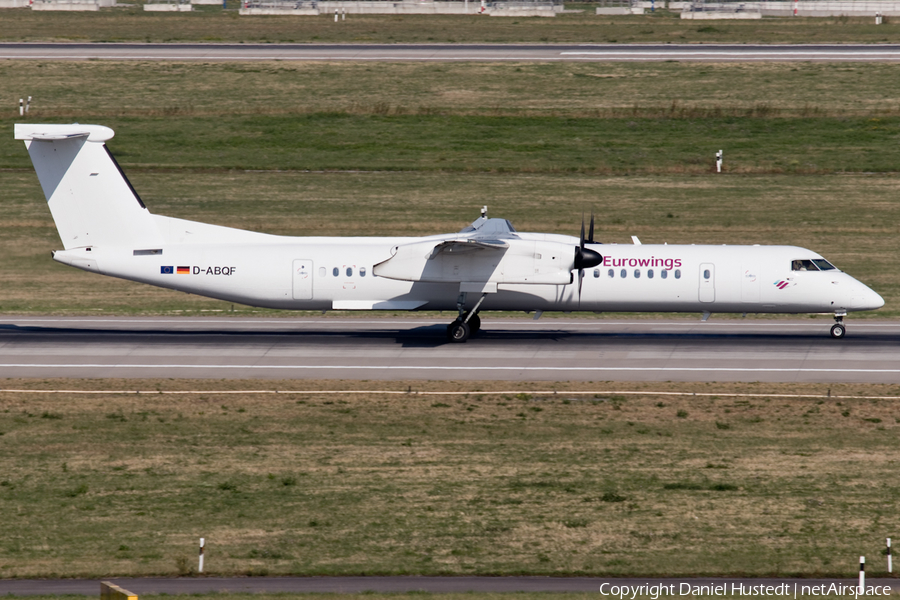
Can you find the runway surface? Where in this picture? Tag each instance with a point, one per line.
(28, 587)
(393, 348)
(456, 52)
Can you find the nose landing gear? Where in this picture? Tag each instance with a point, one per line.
(839, 330)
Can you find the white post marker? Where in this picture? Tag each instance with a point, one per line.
(343, 14)
(27, 105)
(719, 161)
(335, 15)
(200, 567)
(21, 107)
(890, 566)
(878, 18)
(862, 575)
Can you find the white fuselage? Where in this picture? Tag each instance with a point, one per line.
(325, 273)
(106, 228)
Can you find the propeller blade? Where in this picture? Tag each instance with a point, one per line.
(581, 245)
(591, 230)
(580, 281)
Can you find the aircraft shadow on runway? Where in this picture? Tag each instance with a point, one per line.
(431, 336)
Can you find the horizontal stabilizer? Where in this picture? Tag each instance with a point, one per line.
(93, 133)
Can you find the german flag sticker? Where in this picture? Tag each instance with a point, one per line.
(184, 270)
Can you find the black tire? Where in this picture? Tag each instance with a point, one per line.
(838, 331)
(458, 332)
(474, 324)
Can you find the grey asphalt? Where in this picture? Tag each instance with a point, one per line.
(26, 587)
(454, 52)
(392, 348)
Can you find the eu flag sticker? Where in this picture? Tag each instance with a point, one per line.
(166, 270)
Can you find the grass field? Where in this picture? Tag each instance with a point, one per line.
(382, 596)
(410, 595)
(97, 484)
(811, 157)
(212, 24)
(485, 482)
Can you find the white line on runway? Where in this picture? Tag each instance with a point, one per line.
(447, 368)
(498, 323)
(412, 392)
(623, 58)
(778, 54)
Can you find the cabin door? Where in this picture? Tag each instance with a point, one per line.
(303, 279)
(707, 282)
(750, 283)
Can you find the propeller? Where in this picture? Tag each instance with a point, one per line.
(585, 258)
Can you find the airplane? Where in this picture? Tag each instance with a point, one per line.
(487, 266)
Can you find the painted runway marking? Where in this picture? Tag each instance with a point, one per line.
(447, 368)
(495, 324)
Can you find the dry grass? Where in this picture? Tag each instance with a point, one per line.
(212, 24)
(104, 90)
(389, 596)
(458, 136)
(852, 220)
(485, 482)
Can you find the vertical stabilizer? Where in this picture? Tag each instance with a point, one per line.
(92, 202)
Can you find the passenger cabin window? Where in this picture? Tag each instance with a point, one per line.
(677, 273)
(623, 274)
(596, 273)
(803, 265)
(362, 271)
(705, 273)
(637, 273)
(663, 274)
(650, 274)
(349, 271)
(611, 273)
(336, 272)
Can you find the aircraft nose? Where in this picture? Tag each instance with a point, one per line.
(865, 298)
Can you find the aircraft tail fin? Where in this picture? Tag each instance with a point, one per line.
(91, 200)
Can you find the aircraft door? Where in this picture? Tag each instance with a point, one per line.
(303, 279)
(707, 282)
(750, 283)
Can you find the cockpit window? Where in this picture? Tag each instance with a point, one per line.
(823, 264)
(803, 265)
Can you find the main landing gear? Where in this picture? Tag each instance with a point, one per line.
(468, 322)
(839, 330)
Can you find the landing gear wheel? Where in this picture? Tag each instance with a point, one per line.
(474, 324)
(458, 332)
(838, 331)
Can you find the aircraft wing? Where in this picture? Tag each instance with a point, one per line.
(469, 245)
(473, 260)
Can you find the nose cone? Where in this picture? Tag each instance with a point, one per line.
(586, 258)
(864, 298)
